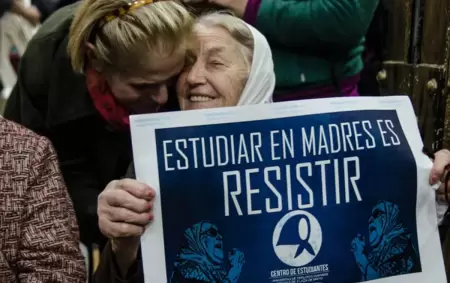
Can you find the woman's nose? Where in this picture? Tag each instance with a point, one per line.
(161, 96)
(196, 75)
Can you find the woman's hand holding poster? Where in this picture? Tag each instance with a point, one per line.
(330, 190)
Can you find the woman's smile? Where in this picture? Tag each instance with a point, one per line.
(200, 98)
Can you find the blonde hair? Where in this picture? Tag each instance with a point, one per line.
(124, 42)
(236, 27)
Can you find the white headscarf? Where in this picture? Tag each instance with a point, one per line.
(261, 81)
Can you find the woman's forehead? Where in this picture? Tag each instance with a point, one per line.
(213, 40)
(155, 70)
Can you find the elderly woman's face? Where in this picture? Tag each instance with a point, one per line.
(376, 223)
(216, 71)
(213, 242)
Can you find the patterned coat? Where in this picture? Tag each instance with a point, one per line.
(38, 229)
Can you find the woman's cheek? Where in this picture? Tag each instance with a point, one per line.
(181, 83)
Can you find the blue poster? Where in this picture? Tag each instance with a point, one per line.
(328, 197)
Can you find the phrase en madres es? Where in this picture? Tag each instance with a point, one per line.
(309, 142)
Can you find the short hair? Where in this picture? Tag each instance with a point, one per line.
(236, 27)
(122, 42)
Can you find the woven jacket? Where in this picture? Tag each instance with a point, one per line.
(38, 229)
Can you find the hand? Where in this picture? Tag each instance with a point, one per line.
(358, 245)
(236, 258)
(32, 15)
(124, 209)
(439, 172)
(237, 6)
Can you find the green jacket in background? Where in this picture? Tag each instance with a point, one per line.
(313, 40)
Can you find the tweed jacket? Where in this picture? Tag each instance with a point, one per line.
(38, 229)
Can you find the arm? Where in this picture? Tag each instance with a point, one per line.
(125, 267)
(31, 14)
(368, 272)
(109, 269)
(17, 7)
(312, 23)
(49, 249)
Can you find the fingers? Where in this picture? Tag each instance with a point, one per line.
(119, 198)
(120, 214)
(441, 162)
(136, 188)
(125, 208)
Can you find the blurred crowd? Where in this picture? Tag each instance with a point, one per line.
(73, 72)
(19, 21)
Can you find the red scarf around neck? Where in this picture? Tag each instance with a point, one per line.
(105, 103)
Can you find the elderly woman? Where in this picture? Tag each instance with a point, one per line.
(229, 64)
(316, 45)
(200, 260)
(392, 251)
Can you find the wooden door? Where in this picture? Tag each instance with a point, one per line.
(416, 63)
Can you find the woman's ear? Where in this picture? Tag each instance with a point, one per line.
(93, 62)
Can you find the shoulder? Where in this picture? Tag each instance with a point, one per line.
(192, 272)
(57, 25)
(16, 139)
(49, 40)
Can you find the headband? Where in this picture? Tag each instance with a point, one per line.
(126, 9)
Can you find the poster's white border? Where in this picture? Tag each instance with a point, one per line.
(143, 137)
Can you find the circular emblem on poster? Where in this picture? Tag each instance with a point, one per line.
(297, 238)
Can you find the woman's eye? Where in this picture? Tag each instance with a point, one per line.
(189, 62)
(216, 63)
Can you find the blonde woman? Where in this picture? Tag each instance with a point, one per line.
(229, 64)
(89, 66)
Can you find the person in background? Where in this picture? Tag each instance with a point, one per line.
(317, 45)
(38, 230)
(31, 14)
(88, 67)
